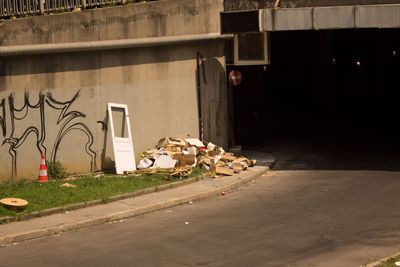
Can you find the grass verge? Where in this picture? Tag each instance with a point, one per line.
(42, 196)
(390, 262)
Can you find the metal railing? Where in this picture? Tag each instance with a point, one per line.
(57, 5)
(10, 8)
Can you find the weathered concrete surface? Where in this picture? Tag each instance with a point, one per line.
(231, 5)
(160, 18)
(157, 83)
(290, 218)
(319, 18)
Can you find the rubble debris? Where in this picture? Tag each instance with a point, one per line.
(177, 157)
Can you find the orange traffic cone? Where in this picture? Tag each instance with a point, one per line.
(43, 171)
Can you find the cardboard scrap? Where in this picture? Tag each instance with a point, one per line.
(207, 161)
(239, 166)
(171, 141)
(221, 164)
(164, 161)
(242, 159)
(228, 157)
(185, 160)
(224, 171)
(149, 153)
(194, 142)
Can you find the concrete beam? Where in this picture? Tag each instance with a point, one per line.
(324, 18)
(107, 44)
(378, 16)
(341, 17)
(293, 19)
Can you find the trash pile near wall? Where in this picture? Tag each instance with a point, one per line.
(178, 156)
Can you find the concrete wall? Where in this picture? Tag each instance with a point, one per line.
(231, 5)
(160, 18)
(56, 102)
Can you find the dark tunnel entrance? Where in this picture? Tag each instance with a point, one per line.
(329, 100)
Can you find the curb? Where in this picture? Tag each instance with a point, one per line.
(29, 235)
(75, 206)
(381, 261)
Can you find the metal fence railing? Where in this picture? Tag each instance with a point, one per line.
(57, 5)
(93, 3)
(10, 8)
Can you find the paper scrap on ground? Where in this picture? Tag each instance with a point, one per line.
(164, 161)
(194, 142)
(145, 163)
(68, 185)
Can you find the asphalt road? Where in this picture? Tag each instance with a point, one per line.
(285, 218)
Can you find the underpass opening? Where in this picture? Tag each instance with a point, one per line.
(329, 100)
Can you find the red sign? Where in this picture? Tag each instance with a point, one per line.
(235, 77)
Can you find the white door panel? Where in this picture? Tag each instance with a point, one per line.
(121, 137)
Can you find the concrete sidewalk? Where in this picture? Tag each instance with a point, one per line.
(114, 211)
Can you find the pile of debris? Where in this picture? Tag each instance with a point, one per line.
(178, 156)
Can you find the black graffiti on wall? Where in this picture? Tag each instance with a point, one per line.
(2, 117)
(67, 122)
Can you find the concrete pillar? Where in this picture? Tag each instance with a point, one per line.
(41, 6)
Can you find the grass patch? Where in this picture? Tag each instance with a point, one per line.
(390, 262)
(56, 170)
(43, 196)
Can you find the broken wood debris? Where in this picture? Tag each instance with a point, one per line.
(177, 157)
(179, 171)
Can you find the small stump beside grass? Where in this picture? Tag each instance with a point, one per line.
(15, 204)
